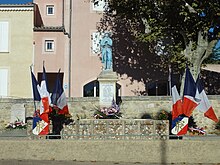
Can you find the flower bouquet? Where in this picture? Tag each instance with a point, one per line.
(112, 112)
(197, 131)
(16, 125)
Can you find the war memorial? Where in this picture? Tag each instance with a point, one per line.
(105, 128)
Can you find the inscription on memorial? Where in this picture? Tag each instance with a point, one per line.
(107, 93)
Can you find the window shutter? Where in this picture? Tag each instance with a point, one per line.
(3, 82)
(4, 33)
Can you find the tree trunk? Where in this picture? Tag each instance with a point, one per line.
(198, 55)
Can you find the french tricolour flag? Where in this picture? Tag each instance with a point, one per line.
(189, 93)
(41, 122)
(36, 94)
(204, 105)
(177, 103)
(45, 95)
(58, 97)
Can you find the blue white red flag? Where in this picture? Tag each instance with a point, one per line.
(180, 126)
(43, 122)
(177, 103)
(189, 93)
(40, 126)
(58, 97)
(44, 77)
(204, 105)
(44, 94)
(36, 94)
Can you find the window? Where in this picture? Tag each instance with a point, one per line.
(96, 39)
(4, 35)
(91, 89)
(49, 45)
(3, 82)
(99, 5)
(50, 9)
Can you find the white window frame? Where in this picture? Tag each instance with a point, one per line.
(49, 48)
(96, 38)
(4, 36)
(48, 7)
(99, 5)
(4, 82)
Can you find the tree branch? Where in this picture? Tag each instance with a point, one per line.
(186, 40)
(209, 50)
(191, 9)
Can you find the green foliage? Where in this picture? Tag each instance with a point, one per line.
(163, 115)
(175, 21)
(63, 118)
(210, 60)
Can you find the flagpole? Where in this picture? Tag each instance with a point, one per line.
(58, 77)
(33, 93)
(169, 79)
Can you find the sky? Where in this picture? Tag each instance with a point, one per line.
(15, 1)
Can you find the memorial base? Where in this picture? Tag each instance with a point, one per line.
(107, 87)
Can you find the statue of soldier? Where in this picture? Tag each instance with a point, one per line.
(106, 44)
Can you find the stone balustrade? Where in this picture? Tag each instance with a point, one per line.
(117, 129)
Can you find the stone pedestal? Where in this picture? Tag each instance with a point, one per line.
(18, 113)
(107, 87)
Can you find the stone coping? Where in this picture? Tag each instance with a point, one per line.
(124, 98)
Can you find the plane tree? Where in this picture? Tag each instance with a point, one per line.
(179, 30)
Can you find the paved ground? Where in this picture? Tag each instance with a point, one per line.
(52, 162)
(31, 162)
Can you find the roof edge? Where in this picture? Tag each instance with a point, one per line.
(49, 28)
(17, 7)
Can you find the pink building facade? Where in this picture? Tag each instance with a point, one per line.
(86, 66)
(69, 30)
(50, 43)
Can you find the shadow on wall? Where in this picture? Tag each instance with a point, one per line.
(163, 153)
(38, 22)
(133, 59)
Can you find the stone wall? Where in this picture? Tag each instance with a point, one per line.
(131, 108)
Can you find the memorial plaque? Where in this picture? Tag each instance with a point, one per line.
(18, 113)
(107, 93)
